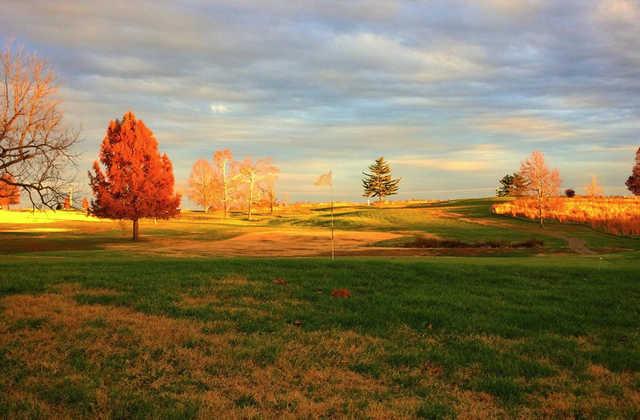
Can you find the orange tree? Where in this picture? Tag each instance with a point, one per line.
(135, 181)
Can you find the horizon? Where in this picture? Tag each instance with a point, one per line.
(453, 94)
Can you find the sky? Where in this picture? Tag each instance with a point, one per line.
(453, 93)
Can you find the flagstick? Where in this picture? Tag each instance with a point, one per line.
(333, 247)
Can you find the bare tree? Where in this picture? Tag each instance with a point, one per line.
(540, 182)
(251, 174)
(594, 189)
(268, 183)
(202, 184)
(224, 161)
(35, 146)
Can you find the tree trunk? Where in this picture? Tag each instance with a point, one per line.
(333, 246)
(224, 188)
(136, 229)
(540, 215)
(250, 198)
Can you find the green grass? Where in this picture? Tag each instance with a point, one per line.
(516, 329)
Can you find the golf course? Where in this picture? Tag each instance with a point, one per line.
(430, 309)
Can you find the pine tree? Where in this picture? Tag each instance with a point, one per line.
(511, 185)
(378, 182)
(633, 182)
(137, 181)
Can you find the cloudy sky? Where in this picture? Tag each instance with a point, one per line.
(454, 93)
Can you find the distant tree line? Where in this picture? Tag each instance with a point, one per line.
(224, 183)
(535, 179)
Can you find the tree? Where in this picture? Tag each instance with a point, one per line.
(248, 174)
(379, 183)
(35, 146)
(268, 183)
(633, 182)
(570, 193)
(67, 203)
(85, 205)
(224, 162)
(593, 188)
(202, 184)
(136, 181)
(9, 193)
(541, 182)
(511, 185)
(251, 174)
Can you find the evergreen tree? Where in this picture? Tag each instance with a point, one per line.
(505, 186)
(633, 182)
(378, 182)
(511, 185)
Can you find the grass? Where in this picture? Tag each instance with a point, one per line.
(447, 335)
(106, 331)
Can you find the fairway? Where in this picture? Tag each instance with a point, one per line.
(471, 325)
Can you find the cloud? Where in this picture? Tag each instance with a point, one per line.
(219, 108)
(618, 20)
(445, 86)
(366, 53)
(444, 164)
(528, 126)
(512, 8)
(625, 11)
(477, 158)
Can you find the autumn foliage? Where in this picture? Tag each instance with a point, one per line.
(9, 194)
(341, 293)
(616, 215)
(539, 182)
(134, 180)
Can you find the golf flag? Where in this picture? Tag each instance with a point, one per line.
(324, 180)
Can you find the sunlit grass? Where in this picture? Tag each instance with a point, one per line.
(43, 216)
(290, 228)
(616, 215)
